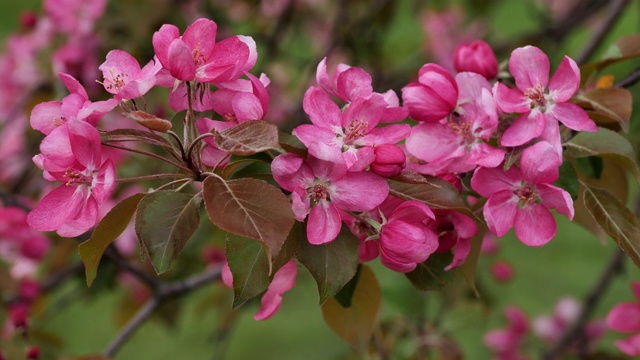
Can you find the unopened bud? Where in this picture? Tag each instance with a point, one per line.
(390, 160)
(502, 271)
(476, 57)
(33, 353)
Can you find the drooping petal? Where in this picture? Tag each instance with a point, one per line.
(86, 218)
(389, 134)
(247, 107)
(500, 212)
(358, 191)
(291, 171)
(526, 127)
(60, 205)
(85, 144)
(534, 225)
(485, 155)
(323, 224)
(529, 67)
(556, 198)
(566, 81)
(358, 159)
(308, 134)
(629, 346)
(47, 116)
(434, 142)
(227, 61)
(460, 253)
(283, 281)
(573, 116)
(326, 161)
(162, 39)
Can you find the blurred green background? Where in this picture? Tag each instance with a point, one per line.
(568, 266)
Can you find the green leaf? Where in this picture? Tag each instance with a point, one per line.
(109, 228)
(355, 324)
(292, 144)
(249, 265)
(608, 107)
(627, 47)
(345, 295)
(590, 166)
(333, 264)
(615, 219)
(164, 223)
(248, 138)
(607, 144)
(430, 275)
(251, 208)
(430, 190)
(568, 179)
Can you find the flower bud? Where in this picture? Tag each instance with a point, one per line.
(476, 57)
(502, 271)
(390, 160)
(433, 97)
(33, 353)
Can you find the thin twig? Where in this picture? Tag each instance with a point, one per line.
(593, 298)
(142, 152)
(613, 14)
(141, 316)
(629, 80)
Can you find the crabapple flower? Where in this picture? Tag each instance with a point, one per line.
(353, 132)
(458, 143)
(454, 230)
(625, 317)
(123, 76)
(476, 57)
(283, 281)
(433, 97)
(566, 312)
(541, 103)
(521, 196)
(321, 186)
(350, 83)
(48, 116)
(74, 17)
(72, 155)
(505, 343)
(389, 160)
(196, 55)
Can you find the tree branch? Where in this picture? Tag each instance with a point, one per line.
(613, 14)
(629, 80)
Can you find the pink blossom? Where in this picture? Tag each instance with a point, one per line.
(74, 17)
(540, 108)
(389, 160)
(350, 83)
(123, 76)
(72, 154)
(521, 196)
(196, 55)
(476, 57)
(433, 96)
(625, 317)
(283, 281)
(321, 186)
(354, 132)
(505, 343)
(454, 230)
(502, 271)
(459, 143)
(566, 312)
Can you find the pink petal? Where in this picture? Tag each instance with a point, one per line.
(326, 161)
(46, 116)
(635, 287)
(300, 204)
(440, 81)
(389, 134)
(308, 134)
(321, 109)
(73, 85)
(181, 64)
(200, 37)
(565, 82)
(253, 54)
(322, 78)
(247, 107)
(354, 83)
(434, 142)
(57, 207)
(556, 198)
(485, 155)
(104, 182)
(404, 245)
(510, 100)
(624, 317)
(370, 110)
(291, 171)
(573, 116)
(227, 276)
(85, 144)
(527, 126)
(460, 253)
(118, 64)
(629, 346)
(161, 41)
(323, 224)
(488, 181)
(358, 191)
(500, 212)
(425, 104)
(56, 149)
(358, 159)
(412, 211)
(227, 61)
(534, 225)
(86, 219)
(259, 90)
(283, 281)
(539, 163)
(529, 67)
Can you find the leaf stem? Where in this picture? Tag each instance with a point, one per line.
(150, 177)
(180, 166)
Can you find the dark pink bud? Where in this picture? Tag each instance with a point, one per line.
(29, 290)
(28, 19)
(35, 247)
(433, 97)
(390, 160)
(452, 179)
(476, 57)
(33, 353)
(502, 271)
(18, 315)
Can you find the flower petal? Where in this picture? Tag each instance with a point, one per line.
(527, 126)
(566, 81)
(534, 225)
(529, 67)
(324, 223)
(574, 117)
